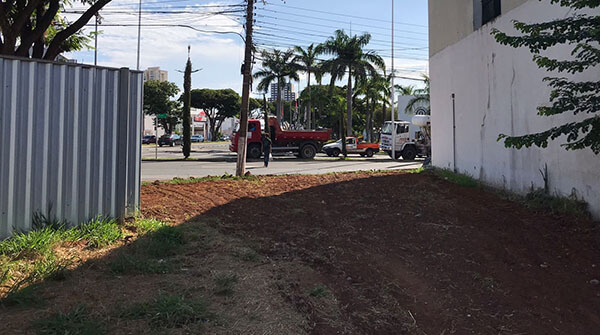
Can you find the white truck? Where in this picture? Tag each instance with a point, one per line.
(413, 139)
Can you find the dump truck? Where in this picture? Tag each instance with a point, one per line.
(303, 143)
(413, 139)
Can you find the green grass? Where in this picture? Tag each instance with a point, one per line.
(224, 284)
(319, 291)
(169, 312)
(151, 252)
(191, 180)
(539, 199)
(24, 297)
(457, 178)
(76, 321)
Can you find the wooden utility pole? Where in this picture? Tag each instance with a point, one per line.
(247, 72)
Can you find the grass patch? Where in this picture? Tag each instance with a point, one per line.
(191, 180)
(319, 291)
(457, 178)
(27, 296)
(246, 254)
(150, 252)
(76, 321)
(539, 199)
(169, 312)
(224, 284)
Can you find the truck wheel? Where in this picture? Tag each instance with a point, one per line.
(335, 152)
(254, 151)
(369, 153)
(308, 151)
(409, 153)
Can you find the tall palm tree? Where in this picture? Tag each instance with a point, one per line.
(421, 95)
(350, 58)
(308, 62)
(277, 66)
(375, 90)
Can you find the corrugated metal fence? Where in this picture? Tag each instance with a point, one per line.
(70, 142)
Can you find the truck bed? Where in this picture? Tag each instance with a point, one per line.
(295, 135)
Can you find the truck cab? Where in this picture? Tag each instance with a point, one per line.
(411, 140)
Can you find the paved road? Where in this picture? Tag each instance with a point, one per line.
(216, 160)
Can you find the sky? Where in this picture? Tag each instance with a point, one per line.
(169, 26)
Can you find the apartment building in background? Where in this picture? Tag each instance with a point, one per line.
(155, 73)
(480, 89)
(288, 92)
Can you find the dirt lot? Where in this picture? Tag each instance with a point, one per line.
(355, 253)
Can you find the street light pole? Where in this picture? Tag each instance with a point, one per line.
(393, 91)
(139, 34)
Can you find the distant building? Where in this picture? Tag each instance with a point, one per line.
(155, 73)
(288, 93)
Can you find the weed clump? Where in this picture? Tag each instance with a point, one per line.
(169, 312)
(76, 321)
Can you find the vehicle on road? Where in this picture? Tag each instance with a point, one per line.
(304, 143)
(413, 139)
(197, 138)
(354, 145)
(170, 140)
(149, 139)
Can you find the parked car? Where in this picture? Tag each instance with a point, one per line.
(197, 138)
(353, 146)
(150, 139)
(224, 138)
(170, 140)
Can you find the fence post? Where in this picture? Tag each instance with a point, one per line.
(122, 146)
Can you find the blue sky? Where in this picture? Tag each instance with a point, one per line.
(279, 24)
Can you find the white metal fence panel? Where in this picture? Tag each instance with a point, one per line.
(70, 142)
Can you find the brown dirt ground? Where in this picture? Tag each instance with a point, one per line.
(392, 253)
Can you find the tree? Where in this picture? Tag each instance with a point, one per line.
(375, 90)
(349, 59)
(187, 117)
(567, 96)
(421, 96)
(158, 100)
(277, 66)
(34, 28)
(218, 106)
(308, 62)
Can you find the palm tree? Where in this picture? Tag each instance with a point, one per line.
(277, 66)
(307, 62)
(375, 90)
(350, 58)
(420, 96)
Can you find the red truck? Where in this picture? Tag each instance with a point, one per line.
(304, 143)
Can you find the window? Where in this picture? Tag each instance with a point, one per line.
(485, 11)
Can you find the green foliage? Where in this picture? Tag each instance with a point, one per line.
(187, 117)
(539, 199)
(76, 321)
(582, 31)
(158, 99)
(350, 57)
(98, 232)
(218, 105)
(23, 297)
(169, 312)
(421, 96)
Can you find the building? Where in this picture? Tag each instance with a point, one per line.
(483, 89)
(155, 73)
(288, 93)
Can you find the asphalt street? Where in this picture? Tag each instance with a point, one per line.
(214, 159)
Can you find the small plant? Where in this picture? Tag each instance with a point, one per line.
(224, 283)
(169, 312)
(99, 232)
(37, 242)
(319, 291)
(17, 296)
(539, 199)
(76, 321)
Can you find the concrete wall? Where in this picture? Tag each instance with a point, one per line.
(70, 142)
(451, 21)
(497, 91)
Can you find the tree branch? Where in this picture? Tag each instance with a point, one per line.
(54, 49)
(43, 21)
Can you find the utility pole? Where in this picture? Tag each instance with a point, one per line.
(393, 91)
(240, 170)
(139, 34)
(96, 41)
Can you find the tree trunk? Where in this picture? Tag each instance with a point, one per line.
(349, 103)
(371, 116)
(279, 104)
(368, 125)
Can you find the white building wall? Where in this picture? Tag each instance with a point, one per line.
(497, 90)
